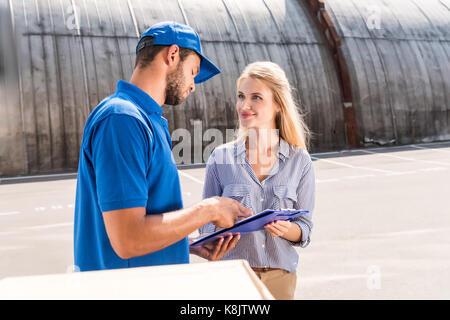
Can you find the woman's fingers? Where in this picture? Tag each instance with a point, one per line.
(272, 230)
(277, 228)
(281, 226)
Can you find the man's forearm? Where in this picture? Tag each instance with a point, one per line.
(132, 233)
(158, 231)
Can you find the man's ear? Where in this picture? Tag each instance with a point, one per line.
(173, 55)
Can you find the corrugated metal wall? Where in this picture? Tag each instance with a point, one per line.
(398, 53)
(12, 152)
(67, 62)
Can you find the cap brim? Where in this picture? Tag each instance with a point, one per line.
(207, 71)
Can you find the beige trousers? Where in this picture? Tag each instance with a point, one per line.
(280, 283)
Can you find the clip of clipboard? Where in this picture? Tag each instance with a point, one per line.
(253, 223)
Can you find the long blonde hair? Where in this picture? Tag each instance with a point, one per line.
(289, 120)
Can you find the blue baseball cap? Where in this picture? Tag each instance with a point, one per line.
(168, 33)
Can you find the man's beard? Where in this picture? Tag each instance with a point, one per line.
(174, 87)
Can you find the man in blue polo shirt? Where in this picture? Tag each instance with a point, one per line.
(128, 209)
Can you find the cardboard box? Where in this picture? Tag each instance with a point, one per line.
(232, 279)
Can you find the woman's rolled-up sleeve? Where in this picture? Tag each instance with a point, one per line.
(211, 188)
(306, 201)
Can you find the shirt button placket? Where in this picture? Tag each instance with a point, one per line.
(263, 246)
(263, 195)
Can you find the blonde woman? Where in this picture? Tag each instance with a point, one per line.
(267, 167)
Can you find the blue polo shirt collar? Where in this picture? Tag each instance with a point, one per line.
(140, 97)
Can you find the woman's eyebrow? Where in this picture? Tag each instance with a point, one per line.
(257, 93)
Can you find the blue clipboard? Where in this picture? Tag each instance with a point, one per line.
(253, 223)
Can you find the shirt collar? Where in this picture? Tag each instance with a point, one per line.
(283, 151)
(239, 148)
(140, 97)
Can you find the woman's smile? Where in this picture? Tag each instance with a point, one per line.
(255, 104)
(247, 115)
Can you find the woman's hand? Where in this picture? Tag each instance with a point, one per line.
(278, 228)
(216, 250)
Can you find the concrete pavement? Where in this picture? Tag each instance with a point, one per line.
(382, 225)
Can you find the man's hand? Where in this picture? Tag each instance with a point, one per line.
(216, 250)
(133, 233)
(225, 211)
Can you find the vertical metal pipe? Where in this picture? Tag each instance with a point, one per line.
(332, 39)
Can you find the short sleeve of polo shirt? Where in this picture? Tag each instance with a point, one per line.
(120, 159)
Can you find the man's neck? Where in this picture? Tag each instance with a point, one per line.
(151, 82)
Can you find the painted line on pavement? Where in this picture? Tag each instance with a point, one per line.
(187, 175)
(9, 213)
(352, 166)
(405, 158)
